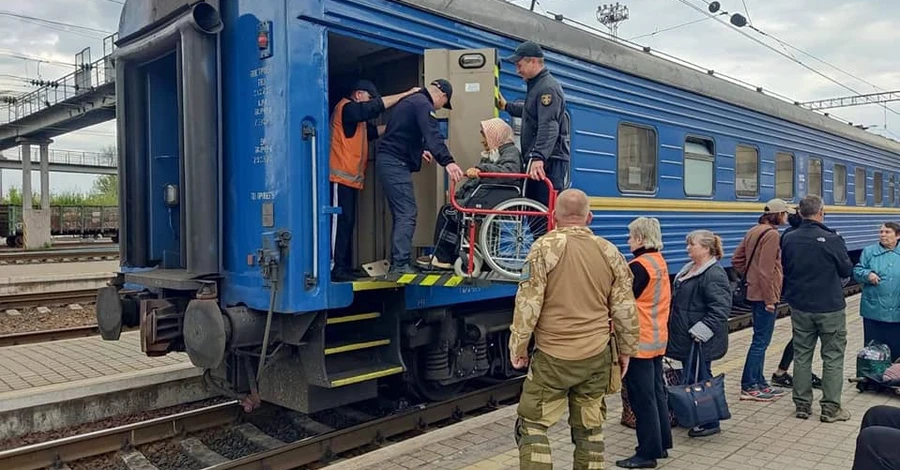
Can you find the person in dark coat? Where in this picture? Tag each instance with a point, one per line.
(781, 377)
(701, 303)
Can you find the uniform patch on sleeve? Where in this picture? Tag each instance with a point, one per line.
(546, 99)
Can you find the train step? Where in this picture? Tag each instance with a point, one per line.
(363, 374)
(347, 346)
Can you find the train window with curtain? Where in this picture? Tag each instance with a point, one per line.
(699, 167)
(879, 188)
(859, 186)
(840, 184)
(814, 176)
(746, 171)
(784, 176)
(637, 160)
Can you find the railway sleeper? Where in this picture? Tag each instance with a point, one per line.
(135, 460)
(198, 451)
(257, 436)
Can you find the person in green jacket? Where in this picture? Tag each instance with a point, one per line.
(500, 155)
(878, 272)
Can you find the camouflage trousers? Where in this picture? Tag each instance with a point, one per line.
(551, 385)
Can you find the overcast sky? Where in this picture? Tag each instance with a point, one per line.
(858, 37)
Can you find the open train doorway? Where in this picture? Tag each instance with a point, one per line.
(391, 71)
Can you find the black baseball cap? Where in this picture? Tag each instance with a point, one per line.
(526, 49)
(366, 85)
(447, 88)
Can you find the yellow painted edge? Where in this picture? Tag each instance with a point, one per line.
(454, 281)
(350, 318)
(406, 278)
(688, 205)
(430, 279)
(356, 346)
(369, 376)
(373, 285)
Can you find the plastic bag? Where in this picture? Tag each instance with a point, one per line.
(873, 360)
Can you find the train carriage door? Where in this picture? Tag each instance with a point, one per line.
(474, 75)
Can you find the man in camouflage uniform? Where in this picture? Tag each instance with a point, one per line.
(573, 283)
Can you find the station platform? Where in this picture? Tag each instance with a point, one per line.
(759, 435)
(45, 386)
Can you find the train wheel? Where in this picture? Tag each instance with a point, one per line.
(11, 242)
(429, 389)
(20, 241)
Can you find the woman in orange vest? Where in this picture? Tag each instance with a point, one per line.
(644, 380)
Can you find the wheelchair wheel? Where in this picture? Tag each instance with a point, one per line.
(461, 265)
(505, 239)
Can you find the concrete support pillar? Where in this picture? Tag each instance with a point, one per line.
(26, 176)
(45, 176)
(36, 222)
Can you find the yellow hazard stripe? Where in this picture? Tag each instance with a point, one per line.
(431, 280)
(497, 88)
(368, 376)
(351, 318)
(356, 346)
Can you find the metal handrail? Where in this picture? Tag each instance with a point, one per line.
(85, 78)
(71, 157)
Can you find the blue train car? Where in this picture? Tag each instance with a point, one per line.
(223, 112)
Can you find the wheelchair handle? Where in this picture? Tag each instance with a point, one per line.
(551, 201)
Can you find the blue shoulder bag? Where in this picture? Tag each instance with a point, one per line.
(700, 402)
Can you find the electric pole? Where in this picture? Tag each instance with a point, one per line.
(611, 15)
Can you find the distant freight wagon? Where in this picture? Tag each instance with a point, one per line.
(64, 220)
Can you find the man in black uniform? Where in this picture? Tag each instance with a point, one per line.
(545, 124)
(411, 136)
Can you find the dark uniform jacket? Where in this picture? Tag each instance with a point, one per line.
(815, 259)
(704, 297)
(412, 128)
(545, 123)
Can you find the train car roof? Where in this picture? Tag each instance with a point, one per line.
(518, 23)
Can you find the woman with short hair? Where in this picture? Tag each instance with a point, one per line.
(878, 272)
(644, 380)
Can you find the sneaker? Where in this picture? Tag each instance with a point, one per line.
(404, 268)
(428, 262)
(840, 415)
(816, 382)
(803, 412)
(756, 394)
(783, 380)
(700, 431)
(775, 392)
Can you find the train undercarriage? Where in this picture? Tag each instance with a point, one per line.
(318, 360)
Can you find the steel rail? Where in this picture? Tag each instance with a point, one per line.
(68, 449)
(32, 298)
(60, 254)
(325, 446)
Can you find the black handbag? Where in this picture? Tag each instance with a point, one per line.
(739, 296)
(701, 402)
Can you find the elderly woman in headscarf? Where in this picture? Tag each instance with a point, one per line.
(500, 155)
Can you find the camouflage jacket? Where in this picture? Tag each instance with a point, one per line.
(567, 299)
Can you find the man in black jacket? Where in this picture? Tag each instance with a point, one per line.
(411, 136)
(545, 125)
(815, 259)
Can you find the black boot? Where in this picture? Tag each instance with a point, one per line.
(636, 461)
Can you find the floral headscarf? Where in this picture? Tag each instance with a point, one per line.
(496, 132)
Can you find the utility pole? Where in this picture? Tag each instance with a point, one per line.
(611, 15)
(532, 4)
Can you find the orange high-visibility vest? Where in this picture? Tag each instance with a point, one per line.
(653, 307)
(349, 156)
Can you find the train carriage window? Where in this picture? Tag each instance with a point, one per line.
(859, 186)
(891, 200)
(637, 161)
(699, 163)
(784, 176)
(746, 171)
(814, 176)
(840, 184)
(879, 189)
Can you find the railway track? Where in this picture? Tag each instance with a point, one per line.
(29, 337)
(47, 298)
(60, 255)
(322, 442)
